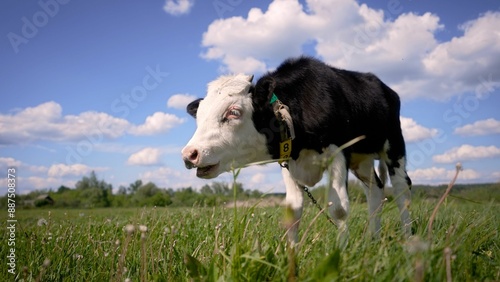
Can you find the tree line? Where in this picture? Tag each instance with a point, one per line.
(90, 192)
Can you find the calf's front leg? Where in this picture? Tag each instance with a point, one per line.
(294, 200)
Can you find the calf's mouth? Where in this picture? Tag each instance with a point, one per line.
(206, 171)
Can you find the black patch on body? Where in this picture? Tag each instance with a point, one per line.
(329, 106)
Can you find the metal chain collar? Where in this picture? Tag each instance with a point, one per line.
(315, 202)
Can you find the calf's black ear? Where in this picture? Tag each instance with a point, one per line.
(192, 108)
(264, 90)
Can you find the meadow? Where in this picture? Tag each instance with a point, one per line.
(248, 244)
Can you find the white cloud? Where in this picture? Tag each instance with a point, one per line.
(46, 122)
(178, 7)
(157, 123)
(167, 177)
(180, 101)
(401, 49)
(482, 127)
(63, 170)
(258, 178)
(146, 156)
(244, 44)
(467, 153)
(463, 59)
(9, 162)
(414, 132)
(437, 175)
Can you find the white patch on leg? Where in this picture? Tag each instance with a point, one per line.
(374, 194)
(337, 195)
(402, 195)
(294, 199)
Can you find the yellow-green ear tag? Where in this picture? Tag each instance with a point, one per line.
(285, 149)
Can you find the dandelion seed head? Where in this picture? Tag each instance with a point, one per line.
(129, 228)
(143, 228)
(459, 167)
(41, 222)
(46, 262)
(117, 242)
(416, 245)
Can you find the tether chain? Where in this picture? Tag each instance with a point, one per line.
(316, 204)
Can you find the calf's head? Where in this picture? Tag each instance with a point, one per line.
(225, 137)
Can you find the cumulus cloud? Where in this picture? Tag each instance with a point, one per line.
(147, 156)
(178, 7)
(402, 49)
(157, 123)
(467, 153)
(180, 101)
(437, 175)
(482, 127)
(414, 132)
(62, 170)
(11, 162)
(258, 178)
(46, 122)
(168, 177)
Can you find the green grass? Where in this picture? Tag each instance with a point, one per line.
(219, 244)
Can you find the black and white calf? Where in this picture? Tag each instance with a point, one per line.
(236, 126)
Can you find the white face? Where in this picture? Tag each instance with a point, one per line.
(225, 137)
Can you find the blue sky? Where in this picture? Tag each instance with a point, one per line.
(102, 85)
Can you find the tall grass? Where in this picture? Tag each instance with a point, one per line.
(247, 244)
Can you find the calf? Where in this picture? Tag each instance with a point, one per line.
(238, 124)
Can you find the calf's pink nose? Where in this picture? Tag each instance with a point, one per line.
(190, 156)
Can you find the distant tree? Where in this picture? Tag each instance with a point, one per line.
(206, 190)
(122, 190)
(220, 188)
(94, 193)
(132, 188)
(160, 199)
(62, 189)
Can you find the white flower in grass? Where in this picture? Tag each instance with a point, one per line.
(41, 222)
(143, 228)
(46, 263)
(129, 228)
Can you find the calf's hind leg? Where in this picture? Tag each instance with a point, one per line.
(401, 184)
(337, 196)
(374, 194)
